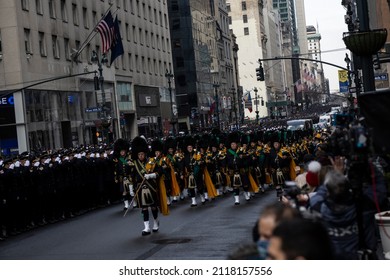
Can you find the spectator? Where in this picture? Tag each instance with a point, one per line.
(269, 218)
(300, 239)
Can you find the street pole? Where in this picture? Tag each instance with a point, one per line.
(257, 107)
(104, 117)
(216, 86)
(169, 76)
(235, 107)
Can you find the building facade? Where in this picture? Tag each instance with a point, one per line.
(203, 63)
(54, 40)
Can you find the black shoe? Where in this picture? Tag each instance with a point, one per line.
(194, 205)
(125, 209)
(145, 233)
(236, 203)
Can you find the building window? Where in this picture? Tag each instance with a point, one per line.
(230, 20)
(140, 36)
(67, 48)
(27, 41)
(131, 64)
(137, 67)
(94, 15)
(246, 31)
(134, 35)
(137, 8)
(64, 12)
(42, 44)
(229, 9)
(245, 18)
(1, 45)
(56, 48)
(75, 15)
(52, 9)
(38, 6)
(85, 18)
(147, 38)
(143, 65)
(243, 5)
(24, 5)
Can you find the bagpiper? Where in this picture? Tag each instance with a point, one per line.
(148, 193)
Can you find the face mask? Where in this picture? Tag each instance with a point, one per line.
(12, 166)
(262, 247)
(17, 164)
(27, 163)
(36, 164)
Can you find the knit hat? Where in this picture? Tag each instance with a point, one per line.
(312, 176)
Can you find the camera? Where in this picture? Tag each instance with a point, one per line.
(350, 138)
(291, 190)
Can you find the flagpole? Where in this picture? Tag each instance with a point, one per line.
(94, 32)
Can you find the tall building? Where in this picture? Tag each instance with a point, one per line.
(48, 40)
(288, 16)
(246, 20)
(203, 62)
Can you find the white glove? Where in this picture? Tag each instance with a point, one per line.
(150, 176)
(131, 188)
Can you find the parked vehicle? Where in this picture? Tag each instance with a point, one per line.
(300, 124)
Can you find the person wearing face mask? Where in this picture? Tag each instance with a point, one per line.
(270, 216)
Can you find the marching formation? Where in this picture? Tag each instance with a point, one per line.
(203, 167)
(45, 187)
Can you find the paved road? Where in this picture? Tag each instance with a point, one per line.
(209, 231)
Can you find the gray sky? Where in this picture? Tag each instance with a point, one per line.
(329, 14)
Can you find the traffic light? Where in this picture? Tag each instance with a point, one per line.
(260, 73)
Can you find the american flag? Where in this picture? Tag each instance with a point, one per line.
(106, 31)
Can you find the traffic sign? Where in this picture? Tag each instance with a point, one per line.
(93, 109)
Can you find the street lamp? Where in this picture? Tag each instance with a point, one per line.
(216, 86)
(169, 76)
(235, 106)
(104, 112)
(257, 106)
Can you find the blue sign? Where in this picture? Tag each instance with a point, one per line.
(93, 109)
(382, 77)
(7, 101)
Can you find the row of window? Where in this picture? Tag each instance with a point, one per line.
(147, 13)
(143, 37)
(140, 63)
(243, 6)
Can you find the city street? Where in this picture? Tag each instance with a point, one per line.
(210, 231)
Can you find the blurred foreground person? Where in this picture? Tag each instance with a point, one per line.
(300, 239)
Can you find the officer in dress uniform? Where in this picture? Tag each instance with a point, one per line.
(148, 194)
(122, 167)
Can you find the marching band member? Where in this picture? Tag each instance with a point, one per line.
(148, 193)
(122, 163)
(193, 165)
(172, 170)
(235, 165)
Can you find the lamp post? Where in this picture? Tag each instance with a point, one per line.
(169, 76)
(235, 106)
(99, 84)
(216, 86)
(257, 106)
